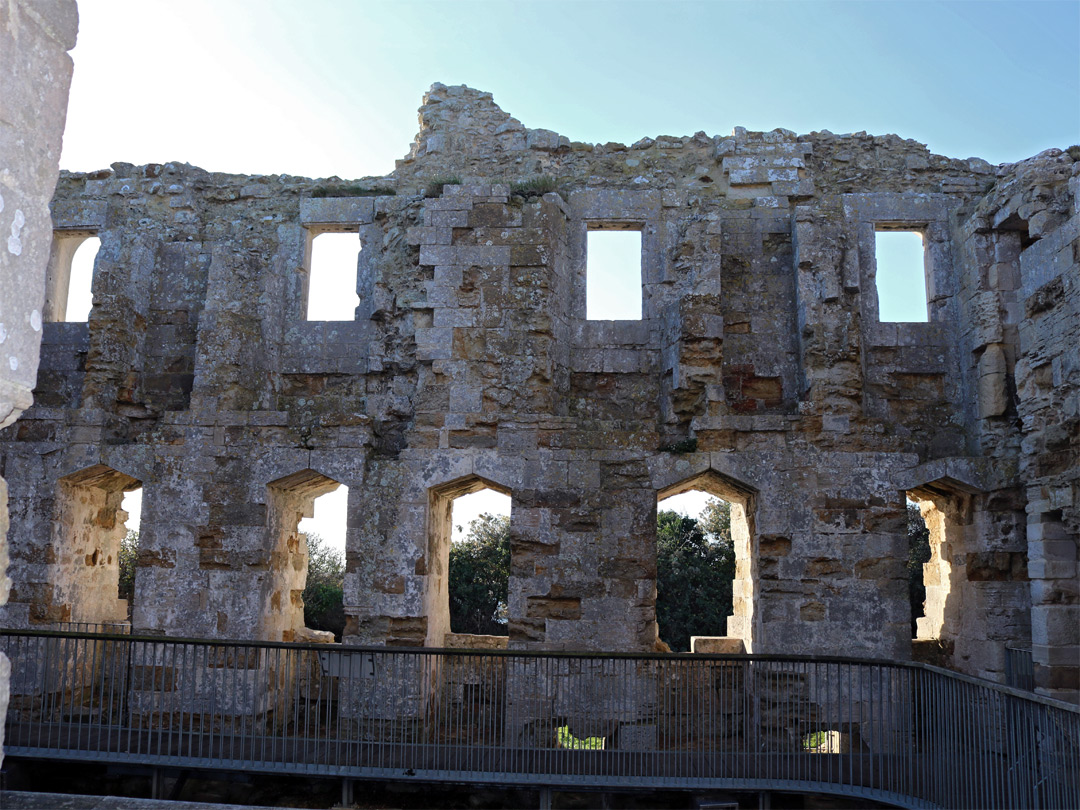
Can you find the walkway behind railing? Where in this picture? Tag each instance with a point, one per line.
(907, 734)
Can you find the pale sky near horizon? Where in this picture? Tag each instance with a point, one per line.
(323, 88)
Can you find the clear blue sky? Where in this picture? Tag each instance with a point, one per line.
(325, 87)
(328, 87)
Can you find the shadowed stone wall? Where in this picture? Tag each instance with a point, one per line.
(35, 74)
(760, 371)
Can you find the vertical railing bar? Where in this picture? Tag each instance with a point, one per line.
(75, 700)
(190, 692)
(56, 699)
(971, 697)
(937, 714)
(942, 710)
(955, 736)
(183, 733)
(104, 730)
(845, 709)
(67, 663)
(132, 700)
(910, 675)
(42, 699)
(154, 668)
(859, 671)
(873, 708)
(97, 685)
(168, 699)
(231, 681)
(1009, 795)
(84, 704)
(975, 742)
(221, 696)
(177, 704)
(987, 743)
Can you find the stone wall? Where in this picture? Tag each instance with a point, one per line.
(35, 74)
(760, 371)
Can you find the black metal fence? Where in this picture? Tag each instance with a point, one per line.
(909, 734)
(1019, 669)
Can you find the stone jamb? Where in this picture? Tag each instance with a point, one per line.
(87, 527)
(926, 214)
(289, 499)
(615, 210)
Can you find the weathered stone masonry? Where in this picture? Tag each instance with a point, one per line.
(471, 362)
(35, 74)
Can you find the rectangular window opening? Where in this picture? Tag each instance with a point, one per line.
(901, 276)
(332, 269)
(613, 274)
(70, 276)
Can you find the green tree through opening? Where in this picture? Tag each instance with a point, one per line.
(479, 578)
(324, 591)
(695, 566)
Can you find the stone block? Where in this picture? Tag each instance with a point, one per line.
(717, 645)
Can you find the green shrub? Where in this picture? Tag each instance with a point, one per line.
(565, 739)
(533, 187)
(353, 191)
(435, 185)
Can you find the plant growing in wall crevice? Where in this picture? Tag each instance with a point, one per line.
(434, 187)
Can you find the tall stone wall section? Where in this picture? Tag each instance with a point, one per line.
(760, 372)
(35, 75)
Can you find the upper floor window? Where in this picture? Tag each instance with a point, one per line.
(613, 272)
(70, 276)
(333, 258)
(901, 276)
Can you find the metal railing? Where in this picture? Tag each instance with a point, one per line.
(904, 733)
(1019, 669)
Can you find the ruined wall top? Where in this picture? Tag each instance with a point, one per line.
(464, 134)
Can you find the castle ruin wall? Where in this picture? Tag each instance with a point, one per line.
(760, 371)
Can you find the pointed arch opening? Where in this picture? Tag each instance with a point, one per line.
(469, 557)
(292, 502)
(91, 544)
(706, 575)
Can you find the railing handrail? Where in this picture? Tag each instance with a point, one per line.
(567, 654)
(902, 732)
